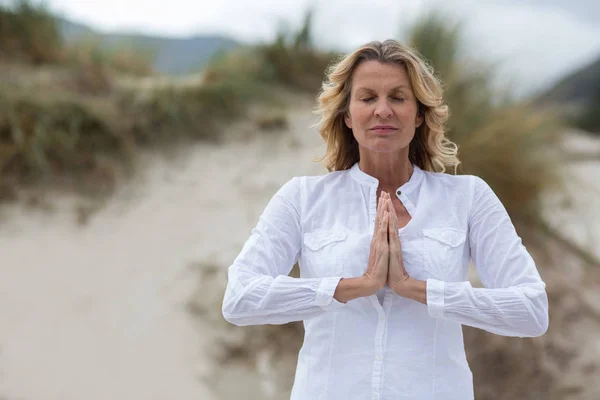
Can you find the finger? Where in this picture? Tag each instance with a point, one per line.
(396, 245)
(386, 198)
(379, 212)
(389, 203)
(384, 220)
(393, 236)
(396, 227)
(383, 205)
(394, 239)
(383, 228)
(391, 207)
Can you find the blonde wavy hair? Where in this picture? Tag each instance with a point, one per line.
(430, 149)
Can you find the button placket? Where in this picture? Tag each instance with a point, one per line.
(379, 344)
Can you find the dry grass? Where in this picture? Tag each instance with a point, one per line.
(589, 118)
(510, 144)
(77, 127)
(290, 61)
(82, 137)
(28, 32)
(58, 139)
(516, 149)
(123, 59)
(245, 345)
(75, 122)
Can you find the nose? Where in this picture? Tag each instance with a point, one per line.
(383, 109)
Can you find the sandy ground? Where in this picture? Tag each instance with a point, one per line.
(98, 311)
(579, 216)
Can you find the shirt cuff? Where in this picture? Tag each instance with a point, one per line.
(325, 293)
(435, 298)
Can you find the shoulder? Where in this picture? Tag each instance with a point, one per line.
(311, 182)
(449, 183)
(464, 190)
(468, 182)
(305, 185)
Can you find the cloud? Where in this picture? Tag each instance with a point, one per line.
(536, 42)
(535, 45)
(587, 11)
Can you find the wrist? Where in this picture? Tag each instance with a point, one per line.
(353, 288)
(411, 289)
(417, 290)
(369, 285)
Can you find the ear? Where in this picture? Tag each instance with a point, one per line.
(419, 120)
(348, 120)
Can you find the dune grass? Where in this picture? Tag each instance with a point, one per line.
(67, 113)
(29, 33)
(510, 144)
(80, 128)
(589, 118)
(291, 61)
(122, 59)
(516, 148)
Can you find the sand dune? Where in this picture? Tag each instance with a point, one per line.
(98, 311)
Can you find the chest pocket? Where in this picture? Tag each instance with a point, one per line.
(325, 253)
(444, 248)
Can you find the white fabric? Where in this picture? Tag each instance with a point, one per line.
(400, 348)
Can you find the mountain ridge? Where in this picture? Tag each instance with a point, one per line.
(170, 55)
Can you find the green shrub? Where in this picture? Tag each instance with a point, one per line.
(29, 32)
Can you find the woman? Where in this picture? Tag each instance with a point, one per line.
(384, 242)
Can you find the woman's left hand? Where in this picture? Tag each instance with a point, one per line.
(398, 278)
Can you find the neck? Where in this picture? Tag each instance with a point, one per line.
(391, 172)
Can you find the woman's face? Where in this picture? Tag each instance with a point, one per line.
(383, 112)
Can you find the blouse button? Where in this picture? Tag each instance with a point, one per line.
(398, 192)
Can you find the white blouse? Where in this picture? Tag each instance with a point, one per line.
(398, 348)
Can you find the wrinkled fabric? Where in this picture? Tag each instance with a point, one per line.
(395, 348)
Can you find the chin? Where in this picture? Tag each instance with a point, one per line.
(387, 147)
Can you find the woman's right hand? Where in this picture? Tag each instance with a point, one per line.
(377, 270)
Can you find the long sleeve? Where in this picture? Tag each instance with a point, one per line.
(513, 301)
(259, 290)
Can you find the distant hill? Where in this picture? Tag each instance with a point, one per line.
(171, 55)
(576, 89)
(577, 97)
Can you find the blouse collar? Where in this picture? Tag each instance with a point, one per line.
(366, 179)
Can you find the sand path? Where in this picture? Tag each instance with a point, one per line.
(98, 311)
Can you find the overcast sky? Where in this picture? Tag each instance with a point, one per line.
(537, 41)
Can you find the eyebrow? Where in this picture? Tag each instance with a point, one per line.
(392, 90)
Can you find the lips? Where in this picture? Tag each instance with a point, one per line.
(383, 129)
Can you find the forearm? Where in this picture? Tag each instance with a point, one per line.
(412, 289)
(353, 288)
(515, 311)
(257, 300)
(417, 290)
